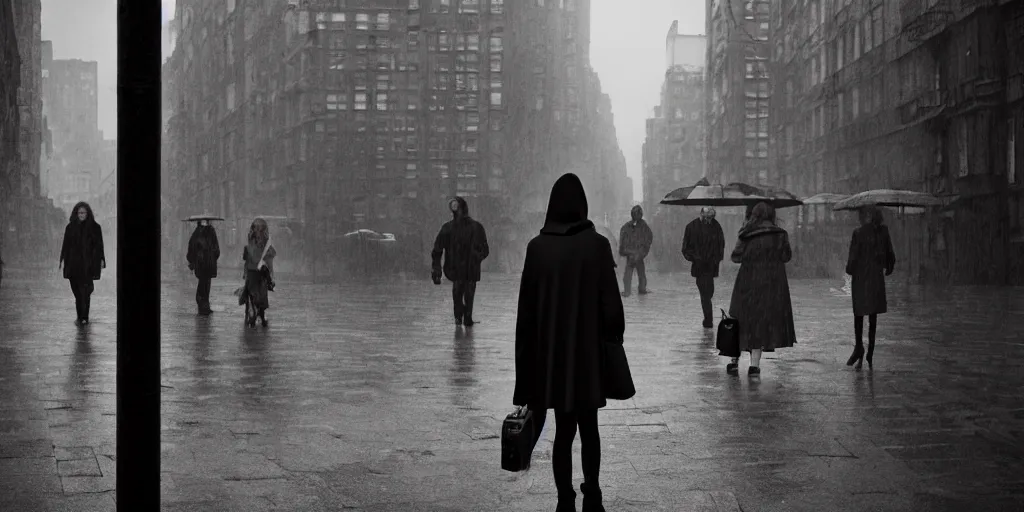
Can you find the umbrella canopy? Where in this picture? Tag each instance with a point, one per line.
(202, 216)
(825, 198)
(684, 192)
(365, 233)
(733, 194)
(886, 197)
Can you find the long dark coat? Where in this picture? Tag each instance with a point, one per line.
(463, 243)
(871, 259)
(704, 246)
(760, 297)
(569, 304)
(203, 252)
(82, 250)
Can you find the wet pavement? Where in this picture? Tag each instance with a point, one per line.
(365, 397)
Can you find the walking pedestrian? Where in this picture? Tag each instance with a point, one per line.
(760, 298)
(704, 247)
(569, 305)
(635, 239)
(463, 243)
(82, 258)
(258, 267)
(203, 253)
(871, 255)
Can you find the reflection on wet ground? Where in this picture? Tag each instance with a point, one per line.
(366, 396)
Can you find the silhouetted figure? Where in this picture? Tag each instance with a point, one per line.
(760, 297)
(871, 255)
(258, 256)
(82, 258)
(704, 247)
(569, 305)
(203, 252)
(635, 239)
(463, 243)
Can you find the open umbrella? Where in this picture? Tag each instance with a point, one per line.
(890, 198)
(733, 194)
(825, 198)
(684, 192)
(364, 234)
(202, 216)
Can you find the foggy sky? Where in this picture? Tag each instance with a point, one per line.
(627, 51)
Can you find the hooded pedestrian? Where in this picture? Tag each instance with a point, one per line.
(82, 257)
(635, 239)
(258, 257)
(704, 247)
(871, 256)
(760, 298)
(569, 305)
(462, 242)
(203, 253)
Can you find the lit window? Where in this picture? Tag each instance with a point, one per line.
(337, 17)
(495, 63)
(382, 101)
(337, 102)
(473, 42)
(497, 6)
(469, 6)
(495, 44)
(496, 100)
(414, 4)
(470, 146)
(360, 101)
(362, 21)
(472, 122)
(383, 21)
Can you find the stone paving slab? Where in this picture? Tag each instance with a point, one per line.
(363, 396)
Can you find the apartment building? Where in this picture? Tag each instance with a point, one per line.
(912, 95)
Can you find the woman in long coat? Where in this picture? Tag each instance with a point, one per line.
(569, 305)
(81, 256)
(871, 255)
(760, 298)
(258, 257)
(203, 252)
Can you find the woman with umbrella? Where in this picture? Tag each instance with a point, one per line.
(203, 253)
(258, 257)
(871, 255)
(81, 257)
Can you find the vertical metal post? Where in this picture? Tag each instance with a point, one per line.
(138, 250)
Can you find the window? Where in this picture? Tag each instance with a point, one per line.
(856, 41)
(231, 6)
(496, 101)
(230, 93)
(495, 63)
(497, 6)
(876, 25)
(496, 124)
(472, 122)
(383, 21)
(414, 4)
(383, 42)
(382, 101)
(866, 32)
(470, 145)
(855, 97)
(337, 102)
(362, 21)
(360, 101)
(473, 42)
(469, 6)
(337, 17)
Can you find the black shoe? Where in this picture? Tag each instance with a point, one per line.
(468, 322)
(79, 322)
(85, 321)
(754, 370)
(709, 324)
(591, 499)
(871, 352)
(857, 356)
(732, 368)
(625, 294)
(566, 503)
(644, 292)
(458, 320)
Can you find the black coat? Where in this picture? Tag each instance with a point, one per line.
(203, 252)
(569, 304)
(760, 297)
(82, 250)
(704, 246)
(871, 259)
(463, 243)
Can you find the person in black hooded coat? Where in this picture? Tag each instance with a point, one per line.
(202, 256)
(463, 243)
(871, 256)
(81, 256)
(569, 304)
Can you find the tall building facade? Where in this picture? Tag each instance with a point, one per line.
(10, 121)
(910, 94)
(738, 92)
(334, 117)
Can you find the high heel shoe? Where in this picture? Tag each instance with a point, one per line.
(871, 352)
(857, 357)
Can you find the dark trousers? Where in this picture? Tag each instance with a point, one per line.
(463, 293)
(561, 456)
(627, 276)
(706, 288)
(858, 330)
(82, 288)
(203, 293)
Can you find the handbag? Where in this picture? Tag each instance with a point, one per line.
(728, 339)
(615, 375)
(518, 437)
(265, 269)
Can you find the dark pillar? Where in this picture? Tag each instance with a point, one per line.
(138, 250)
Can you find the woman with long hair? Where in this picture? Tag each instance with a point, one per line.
(82, 257)
(760, 298)
(871, 256)
(258, 267)
(569, 307)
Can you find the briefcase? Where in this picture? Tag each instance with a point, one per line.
(518, 435)
(728, 339)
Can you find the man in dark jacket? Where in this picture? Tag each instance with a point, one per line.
(203, 252)
(635, 239)
(704, 247)
(463, 243)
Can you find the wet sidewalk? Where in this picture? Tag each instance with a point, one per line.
(366, 397)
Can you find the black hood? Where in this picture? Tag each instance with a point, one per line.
(463, 206)
(567, 207)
